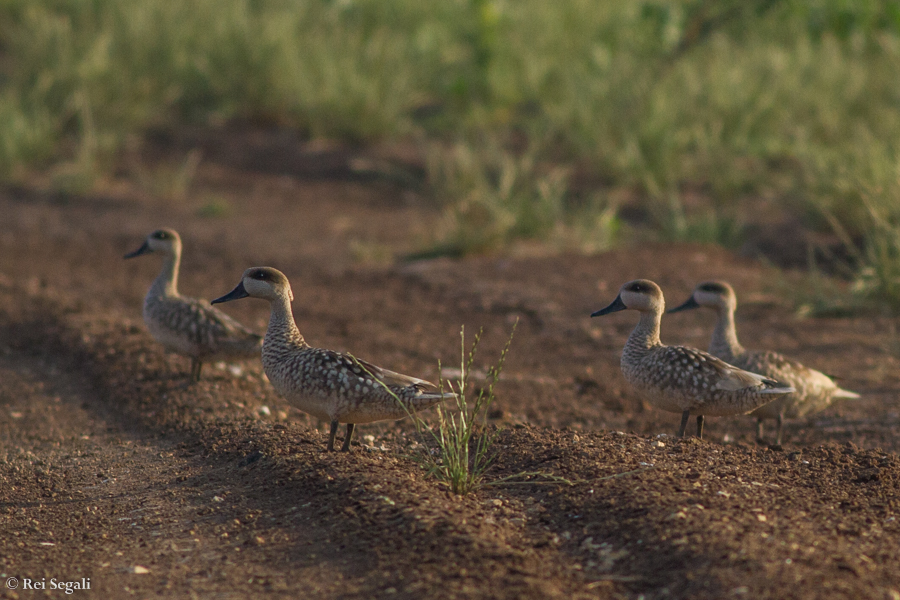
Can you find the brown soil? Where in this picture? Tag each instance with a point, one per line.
(112, 469)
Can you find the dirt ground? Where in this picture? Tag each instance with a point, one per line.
(113, 470)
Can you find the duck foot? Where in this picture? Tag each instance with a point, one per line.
(684, 419)
(334, 428)
(346, 446)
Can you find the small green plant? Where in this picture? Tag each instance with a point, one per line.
(463, 438)
(463, 441)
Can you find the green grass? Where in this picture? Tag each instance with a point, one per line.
(721, 226)
(878, 278)
(689, 108)
(462, 434)
(461, 437)
(493, 197)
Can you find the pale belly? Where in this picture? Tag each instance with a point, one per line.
(665, 401)
(714, 404)
(172, 340)
(328, 406)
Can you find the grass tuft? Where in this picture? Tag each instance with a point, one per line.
(463, 436)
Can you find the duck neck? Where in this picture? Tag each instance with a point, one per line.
(166, 283)
(645, 336)
(281, 323)
(724, 342)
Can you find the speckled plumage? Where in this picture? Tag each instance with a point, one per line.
(185, 325)
(329, 385)
(814, 390)
(678, 378)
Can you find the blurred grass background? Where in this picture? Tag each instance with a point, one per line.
(578, 122)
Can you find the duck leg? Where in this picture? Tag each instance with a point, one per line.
(778, 434)
(700, 427)
(334, 428)
(196, 366)
(684, 420)
(759, 429)
(347, 438)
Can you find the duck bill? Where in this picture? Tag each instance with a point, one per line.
(616, 306)
(688, 305)
(235, 294)
(144, 249)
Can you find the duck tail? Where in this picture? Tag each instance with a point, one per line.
(435, 396)
(776, 387)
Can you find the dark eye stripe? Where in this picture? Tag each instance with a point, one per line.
(712, 288)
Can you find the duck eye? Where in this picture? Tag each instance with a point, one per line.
(259, 275)
(160, 235)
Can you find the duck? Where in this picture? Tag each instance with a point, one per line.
(814, 390)
(681, 379)
(189, 326)
(333, 386)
